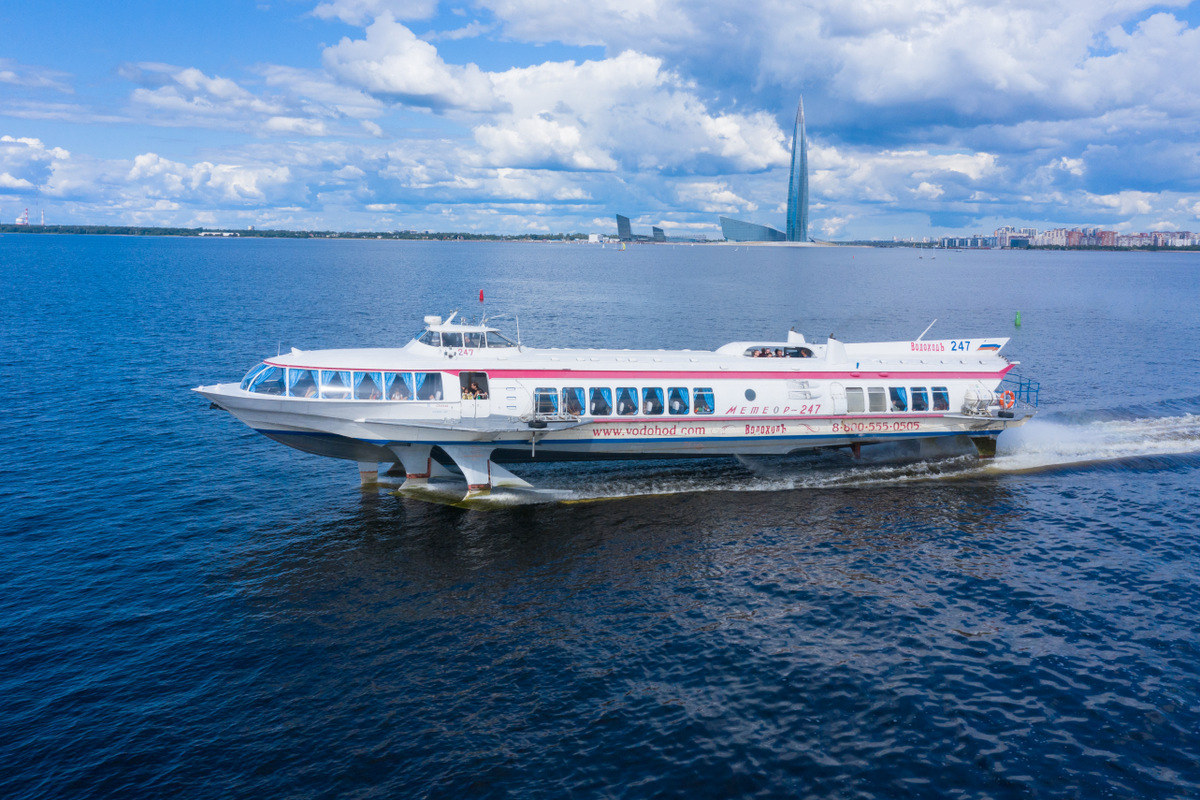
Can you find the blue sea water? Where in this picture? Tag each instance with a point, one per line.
(190, 610)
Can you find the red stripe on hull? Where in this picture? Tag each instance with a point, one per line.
(560, 374)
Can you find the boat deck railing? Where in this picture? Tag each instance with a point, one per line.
(1025, 390)
(541, 419)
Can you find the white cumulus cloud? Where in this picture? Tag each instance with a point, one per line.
(712, 197)
(225, 183)
(393, 62)
(358, 12)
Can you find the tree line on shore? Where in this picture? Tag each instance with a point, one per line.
(135, 230)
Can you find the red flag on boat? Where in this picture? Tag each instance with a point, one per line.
(481, 295)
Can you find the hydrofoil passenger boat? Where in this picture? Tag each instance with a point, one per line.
(465, 394)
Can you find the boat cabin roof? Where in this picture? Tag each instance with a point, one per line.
(435, 323)
(446, 339)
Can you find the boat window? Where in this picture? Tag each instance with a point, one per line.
(301, 383)
(920, 399)
(626, 400)
(652, 401)
(431, 338)
(767, 351)
(941, 398)
(368, 385)
(428, 385)
(677, 400)
(855, 403)
(545, 401)
(398, 385)
(572, 400)
(474, 385)
(334, 384)
(601, 402)
(473, 339)
(877, 399)
(702, 400)
(268, 381)
(497, 340)
(257, 368)
(899, 398)
(451, 339)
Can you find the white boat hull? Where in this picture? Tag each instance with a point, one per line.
(341, 430)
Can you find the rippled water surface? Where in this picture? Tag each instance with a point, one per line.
(190, 610)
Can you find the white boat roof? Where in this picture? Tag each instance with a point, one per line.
(914, 354)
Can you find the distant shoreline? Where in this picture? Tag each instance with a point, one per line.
(580, 238)
(227, 233)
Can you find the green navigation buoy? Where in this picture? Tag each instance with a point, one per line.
(1017, 322)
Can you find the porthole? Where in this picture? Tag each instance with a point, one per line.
(750, 395)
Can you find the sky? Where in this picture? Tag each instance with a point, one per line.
(925, 117)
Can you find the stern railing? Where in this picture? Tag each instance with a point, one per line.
(1025, 390)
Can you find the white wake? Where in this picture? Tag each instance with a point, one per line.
(1042, 443)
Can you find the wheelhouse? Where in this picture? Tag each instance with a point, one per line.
(461, 335)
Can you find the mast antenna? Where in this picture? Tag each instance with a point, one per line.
(927, 329)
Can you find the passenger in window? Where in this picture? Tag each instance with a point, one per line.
(572, 397)
(367, 388)
(778, 353)
(545, 401)
(601, 407)
(652, 401)
(626, 402)
(677, 402)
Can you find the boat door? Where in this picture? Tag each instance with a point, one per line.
(837, 396)
(476, 400)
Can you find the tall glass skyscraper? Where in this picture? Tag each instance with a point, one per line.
(797, 207)
(735, 230)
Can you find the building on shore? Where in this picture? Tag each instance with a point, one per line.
(624, 230)
(736, 230)
(1010, 237)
